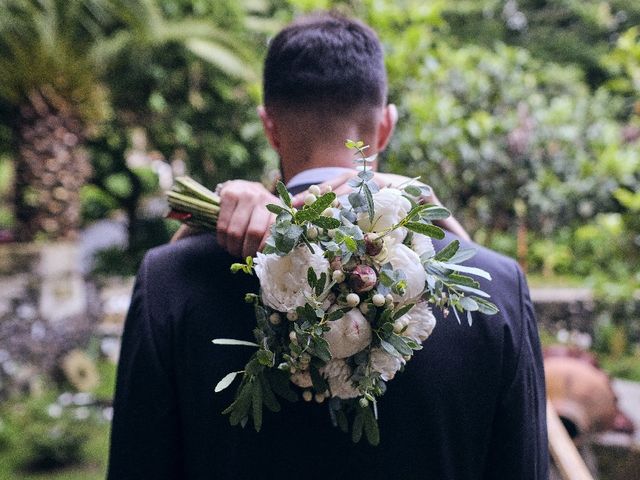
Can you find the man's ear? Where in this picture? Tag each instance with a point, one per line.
(270, 129)
(386, 126)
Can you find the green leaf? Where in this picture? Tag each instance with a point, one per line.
(327, 223)
(370, 205)
(314, 210)
(425, 229)
(462, 255)
(447, 252)
(435, 213)
(486, 307)
(472, 270)
(351, 244)
(265, 357)
(389, 348)
(277, 209)
(231, 341)
(457, 279)
(343, 423)
(371, 427)
(469, 304)
(399, 344)
(312, 278)
(322, 281)
(413, 190)
(256, 402)
(270, 400)
(402, 310)
(284, 194)
(319, 382)
(226, 381)
(356, 431)
(281, 385)
(335, 315)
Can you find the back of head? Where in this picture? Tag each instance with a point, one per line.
(325, 64)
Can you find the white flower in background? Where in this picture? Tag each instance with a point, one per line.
(302, 379)
(384, 363)
(338, 375)
(403, 258)
(348, 335)
(390, 207)
(280, 277)
(422, 245)
(419, 322)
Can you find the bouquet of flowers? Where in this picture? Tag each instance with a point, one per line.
(347, 288)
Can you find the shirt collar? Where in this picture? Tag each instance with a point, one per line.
(316, 175)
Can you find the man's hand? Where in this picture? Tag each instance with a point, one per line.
(244, 221)
(340, 187)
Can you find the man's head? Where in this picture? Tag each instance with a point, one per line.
(324, 79)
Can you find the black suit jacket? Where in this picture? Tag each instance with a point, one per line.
(470, 405)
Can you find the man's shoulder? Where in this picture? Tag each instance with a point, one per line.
(501, 267)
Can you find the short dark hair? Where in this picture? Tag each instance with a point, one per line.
(325, 60)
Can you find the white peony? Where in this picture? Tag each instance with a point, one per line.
(338, 375)
(422, 245)
(385, 364)
(283, 279)
(403, 258)
(390, 207)
(348, 335)
(419, 322)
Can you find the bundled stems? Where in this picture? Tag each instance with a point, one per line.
(193, 204)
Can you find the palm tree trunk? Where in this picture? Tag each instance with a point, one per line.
(51, 166)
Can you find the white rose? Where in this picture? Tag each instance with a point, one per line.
(390, 207)
(419, 322)
(283, 279)
(385, 364)
(422, 245)
(403, 258)
(338, 375)
(348, 335)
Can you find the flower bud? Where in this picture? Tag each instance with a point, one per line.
(362, 279)
(312, 233)
(307, 395)
(309, 198)
(314, 190)
(319, 397)
(353, 299)
(364, 403)
(338, 276)
(292, 315)
(275, 319)
(327, 212)
(373, 244)
(378, 300)
(331, 233)
(293, 337)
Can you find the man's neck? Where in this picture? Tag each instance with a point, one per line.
(292, 165)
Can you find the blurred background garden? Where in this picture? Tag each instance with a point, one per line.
(524, 115)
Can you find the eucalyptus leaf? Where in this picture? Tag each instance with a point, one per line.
(231, 341)
(226, 381)
(425, 229)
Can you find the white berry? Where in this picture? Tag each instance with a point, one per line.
(307, 395)
(338, 276)
(293, 337)
(292, 316)
(312, 233)
(315, 190)
(309, 198)
(319, 397)
(378, 300)
(353, 299)
(275, 319)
